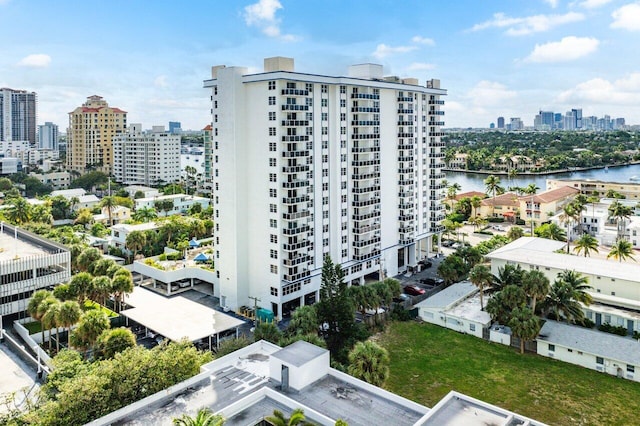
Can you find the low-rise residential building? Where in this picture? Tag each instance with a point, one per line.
(78, 197)
(459, 161)
(120, 232)
(119, 214)
(506, 206)
(604, 352)
(266, 377)
(456, 307)
(57, 180)
(519, 163)
(28, 263)
(631, 190)
(545, 204)
(178, 203)
(147, 191)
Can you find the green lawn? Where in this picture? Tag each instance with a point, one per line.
(428, 361)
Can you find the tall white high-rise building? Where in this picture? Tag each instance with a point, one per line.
(18, 115)
(48, 136)
(306, 166)
(146, 158)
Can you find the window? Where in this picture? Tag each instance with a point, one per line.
(472, 327)
(631, 369)
(325, 201)
(325, 116)
(273, 193)
(599, 360)
(272, 86)
(552, 348)
(273, 208)
(343, 89)
(273, 238)
(325, 227)
(272, 147)
(273, 254)
(272, 177)
(272, 131)
(325, 242)
(272, 116)
(274, 291)
(344, 212)
(273, 223)
(272, 162)
(325, 186)
(345, 253)
(323, 88)
(274, 269)
(344, 239)
(272, 100)
(325, 214)
(324, 102)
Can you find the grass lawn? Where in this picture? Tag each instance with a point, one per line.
(428, 361)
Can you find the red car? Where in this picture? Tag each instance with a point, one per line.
(413, 290)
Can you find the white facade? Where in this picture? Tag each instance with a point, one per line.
(308, 165)
(57, 180)
(28, 263)
(181, 203)
(48, 136)
(146, 158)
(9, 165)
(120, 232)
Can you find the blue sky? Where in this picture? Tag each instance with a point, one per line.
(496, 58)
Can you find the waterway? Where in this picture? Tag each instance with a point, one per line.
(475, 182)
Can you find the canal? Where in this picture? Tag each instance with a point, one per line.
(475, 182)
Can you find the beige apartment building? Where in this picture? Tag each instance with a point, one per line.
(631, 190)
(92, 127)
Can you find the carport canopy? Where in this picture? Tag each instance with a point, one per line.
(177, 318)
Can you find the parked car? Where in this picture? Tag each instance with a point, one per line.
(413, 290)
(432, 281)
(374, 311)
(401, 298)
(425, 263)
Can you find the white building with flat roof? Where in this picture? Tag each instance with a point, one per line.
(146, 158)
(345, 166)
(120, 232)
(180, 203)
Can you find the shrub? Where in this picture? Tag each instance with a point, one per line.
(495, 219)
(608, 328)
(162, 257)
(586, 323)
(398, 313)
(456, 217)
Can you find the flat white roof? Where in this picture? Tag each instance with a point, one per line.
(542, 254)
(469, 309)
(170, 197)
(599, 343)
(177, 317)
(450, 295)
(139, 227)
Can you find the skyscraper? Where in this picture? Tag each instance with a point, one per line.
(89, 137)
(306, 166)
(175, 127)
(48, 136)
(18, 115)
(500, 122)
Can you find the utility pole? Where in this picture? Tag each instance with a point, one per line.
(255, 306)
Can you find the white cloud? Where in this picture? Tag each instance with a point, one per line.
(382, 50)
(593, 4)
(624, 91)
(567, 49)
(263, 15)
(35, 61)
(423, 40)
(490, 93)
(528, 24)
(161, 81)
(552, 3)
(627, 17)
(420, 66)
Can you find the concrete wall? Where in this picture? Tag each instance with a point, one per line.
(301, 376)
(460, 325)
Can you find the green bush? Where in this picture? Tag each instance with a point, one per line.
(398, 313)
(608, 328)
(495, 219)
(456, 217)
(484, 232)
(162, 257)
(174, 256)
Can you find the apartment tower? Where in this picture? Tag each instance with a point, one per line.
(17, 116)
(146, 158)
(92, 127)
(307, 166)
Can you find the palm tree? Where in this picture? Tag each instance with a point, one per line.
(136, 240)
(51, 319)
(586, 244)
(121, 284)
(482, 278)
(369, 362)
(507, 275)
(69, 315)
(47, 315)
(100, 289)
(492, 185)
(551, 231)
(21, 211)
(621, 250)
(90, 327)
(567, 217)
(109, 202)
(567, 293)
(579, 285)
(73, 202)
(620, 213)
(204, 417)
(88, 258)
(476, 202)
(524, 325)
(32, 308)
(80, 286)
(536, 285)
(452, 191)
(278, 418)
(515, 232)
(145, 214)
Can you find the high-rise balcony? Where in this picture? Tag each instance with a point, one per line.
(295, 92)
(294, 154)
(364, 243)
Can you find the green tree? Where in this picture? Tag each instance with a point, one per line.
(492, 185)
(87, 259)
(84, 217)
(621, 250)
(80, 286)
(69, 315)
(204, 417)
(268, 331)
(476, 203)
(109, 202)
(32, 307)
(586, 244)
(620, 213)
(482, 278)
(278, 418)
(112, 341)
(567, 293)
(370, 362)
(136, 240)
(99, 230)
(5, 184)
(41, 213)
(121, 284)
(524, 325)
(304, 320)
(48, 311)
(551, 231)
(536, 286)
(100, 289)
(20, 213)
(91, 325)
(515, 232)
(145, 214)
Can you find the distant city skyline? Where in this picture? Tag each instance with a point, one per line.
(496, 58)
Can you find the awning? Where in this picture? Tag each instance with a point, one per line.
(201, 258)
(508, 214)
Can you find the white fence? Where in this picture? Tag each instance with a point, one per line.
(31, 343)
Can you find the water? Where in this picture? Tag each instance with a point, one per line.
(475, 182)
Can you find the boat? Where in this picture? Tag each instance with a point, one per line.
(634, 178)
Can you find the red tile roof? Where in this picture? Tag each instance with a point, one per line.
(509, 199)
(471, 194)
(552, 195)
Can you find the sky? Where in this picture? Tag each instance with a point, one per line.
(507, 58)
